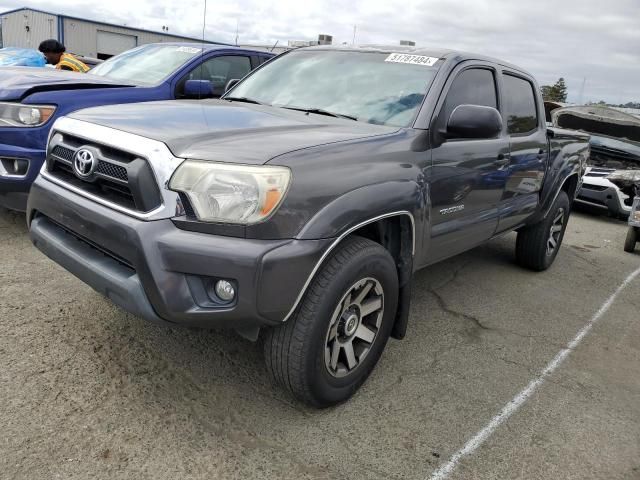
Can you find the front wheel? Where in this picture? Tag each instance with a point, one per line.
(631, 240)
(537, 245)
(326, 351)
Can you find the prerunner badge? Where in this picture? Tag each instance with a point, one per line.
(412, 59)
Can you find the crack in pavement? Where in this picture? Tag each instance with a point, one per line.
(443, 305)
(476, 321)
(454, 275)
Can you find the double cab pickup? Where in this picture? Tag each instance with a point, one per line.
(297, 207)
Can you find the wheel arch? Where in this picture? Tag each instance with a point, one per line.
(570, 186)
(396, 232)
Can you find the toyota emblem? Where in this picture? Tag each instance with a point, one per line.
(84, 163)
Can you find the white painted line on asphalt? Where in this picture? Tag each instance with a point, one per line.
(517, 401)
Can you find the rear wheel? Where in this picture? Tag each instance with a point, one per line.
(631, 240)
(330, 346)
(537, 245)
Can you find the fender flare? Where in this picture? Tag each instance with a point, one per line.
(340, 211)
(549, 205)
(365, 205)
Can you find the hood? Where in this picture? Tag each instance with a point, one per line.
(228, 131)
(598, 120)
(18, 82)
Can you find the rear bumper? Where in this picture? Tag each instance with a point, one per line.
(14, 189)
(159, 272)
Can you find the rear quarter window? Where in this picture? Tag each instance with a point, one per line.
(519, 105)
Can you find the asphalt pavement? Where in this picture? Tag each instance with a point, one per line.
(88, 391)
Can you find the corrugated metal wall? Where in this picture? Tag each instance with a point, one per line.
(41, 27)
(79, 36)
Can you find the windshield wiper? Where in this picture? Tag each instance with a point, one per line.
(321, 111)
(243, 99)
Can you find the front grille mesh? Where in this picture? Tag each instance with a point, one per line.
(112, 170)
(64, 153)
(597, 188)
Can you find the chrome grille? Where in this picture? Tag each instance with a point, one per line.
(119, 177)
(109, 169)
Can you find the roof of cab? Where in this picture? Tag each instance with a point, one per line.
(411, 50)
(208, 47)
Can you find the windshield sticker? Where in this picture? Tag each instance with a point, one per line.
(188, 50)
(412, 59)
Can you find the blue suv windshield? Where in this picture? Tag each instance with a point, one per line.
(149, 64)
(374, 87)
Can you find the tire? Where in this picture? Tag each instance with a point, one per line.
(630, 241)
(300, 354)
(535, 248)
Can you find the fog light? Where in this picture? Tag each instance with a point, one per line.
(13, 166)
(225, 290)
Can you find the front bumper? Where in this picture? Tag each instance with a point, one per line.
(603, 194)
(157, 271)
(14, 189)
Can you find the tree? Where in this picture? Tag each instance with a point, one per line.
(556, 92)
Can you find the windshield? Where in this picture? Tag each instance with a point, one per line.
(374, 87)
(149, 64)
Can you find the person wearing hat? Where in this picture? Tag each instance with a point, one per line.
(55, 54)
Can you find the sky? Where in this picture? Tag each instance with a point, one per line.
(588, 42)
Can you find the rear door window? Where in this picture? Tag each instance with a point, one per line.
(519, 105)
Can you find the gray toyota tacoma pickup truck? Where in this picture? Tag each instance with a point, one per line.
(297, 208)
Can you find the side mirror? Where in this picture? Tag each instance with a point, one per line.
(198, 89)
(474, 121)
(230, 84)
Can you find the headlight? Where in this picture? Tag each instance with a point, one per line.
(21, 115)
(226, 193)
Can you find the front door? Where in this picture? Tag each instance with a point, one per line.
(465, 178)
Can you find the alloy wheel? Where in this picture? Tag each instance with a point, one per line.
(555, 232)
(354, 326)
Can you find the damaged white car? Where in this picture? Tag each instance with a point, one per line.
(610, 180)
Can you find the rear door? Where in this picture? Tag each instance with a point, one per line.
(528, 147)
(463, 191)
